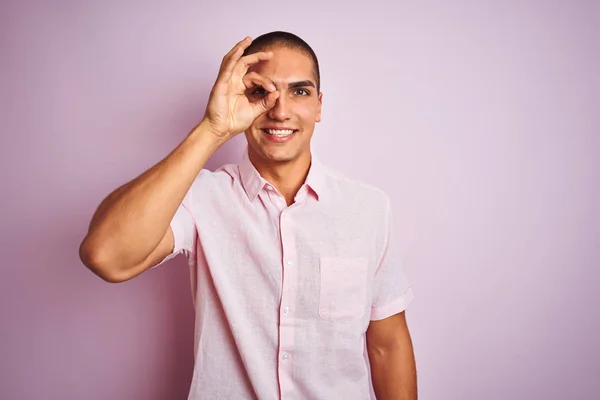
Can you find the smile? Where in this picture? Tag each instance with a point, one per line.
(279, 132)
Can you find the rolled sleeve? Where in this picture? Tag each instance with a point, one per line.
(184, 233)
(392, 308)
(391, 290)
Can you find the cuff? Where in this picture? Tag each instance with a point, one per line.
(177, 242)
(393, 307)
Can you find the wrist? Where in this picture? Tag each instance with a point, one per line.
(205, 134)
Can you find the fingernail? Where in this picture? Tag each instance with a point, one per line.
(272, 87)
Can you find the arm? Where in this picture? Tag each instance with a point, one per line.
(392, 360)
(130, 230)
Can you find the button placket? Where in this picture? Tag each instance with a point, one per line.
(287, 321)
(289, 251)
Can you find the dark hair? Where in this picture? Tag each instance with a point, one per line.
(288, 40)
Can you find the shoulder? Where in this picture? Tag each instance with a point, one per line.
(350, 188)
(223, 176)
(358, 200)
(209, 184)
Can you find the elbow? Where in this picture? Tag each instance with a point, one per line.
(384, 348)
(379, 352)
(100, 265)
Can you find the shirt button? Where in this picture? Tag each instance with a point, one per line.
(269, 187)
(286, 310)
(285, 356)
(290, 262)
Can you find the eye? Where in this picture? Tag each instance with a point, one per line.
(302, 92)
(258, 91)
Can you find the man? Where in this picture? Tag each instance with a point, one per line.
(293, 265)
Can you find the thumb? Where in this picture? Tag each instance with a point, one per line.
(265, 104)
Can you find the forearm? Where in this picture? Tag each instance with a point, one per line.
(130, 223)
(393, 371)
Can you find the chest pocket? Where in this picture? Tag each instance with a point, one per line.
(343, 287)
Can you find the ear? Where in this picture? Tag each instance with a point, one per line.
(318, 119)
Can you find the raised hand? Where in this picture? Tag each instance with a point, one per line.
(229, 112)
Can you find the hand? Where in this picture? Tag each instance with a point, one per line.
(229, 112)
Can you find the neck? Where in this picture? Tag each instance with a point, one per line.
(287, 177)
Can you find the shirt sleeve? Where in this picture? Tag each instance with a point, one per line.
(391, 290)
(184, 231)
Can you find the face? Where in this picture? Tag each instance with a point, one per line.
(297, 109)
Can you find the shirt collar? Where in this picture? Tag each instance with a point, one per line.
(253, 183)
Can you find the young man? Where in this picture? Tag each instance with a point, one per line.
(293, 266)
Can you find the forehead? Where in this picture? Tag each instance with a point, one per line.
(287, 65)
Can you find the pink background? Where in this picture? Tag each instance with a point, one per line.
(480, 120)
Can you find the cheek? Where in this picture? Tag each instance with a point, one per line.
(308, 113)
(256, 123)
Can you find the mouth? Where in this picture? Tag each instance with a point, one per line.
(279, 132)
(279, 135)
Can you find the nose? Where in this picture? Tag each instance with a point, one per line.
(281, 111)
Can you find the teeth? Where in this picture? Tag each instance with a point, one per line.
(279, 132)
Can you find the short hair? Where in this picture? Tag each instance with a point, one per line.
(287, 40)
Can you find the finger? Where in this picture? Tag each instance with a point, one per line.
(265, 104)
(242, 44)
(253, 79)
(246, 62)
(231, 58)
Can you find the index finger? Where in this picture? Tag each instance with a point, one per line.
(229, 59)
(246, 62)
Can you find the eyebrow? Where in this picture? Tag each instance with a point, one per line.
(301, 84)
(292, 85)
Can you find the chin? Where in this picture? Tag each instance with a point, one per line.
(273, 152)
(278, 155)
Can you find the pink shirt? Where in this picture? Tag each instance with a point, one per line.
(284, 295)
